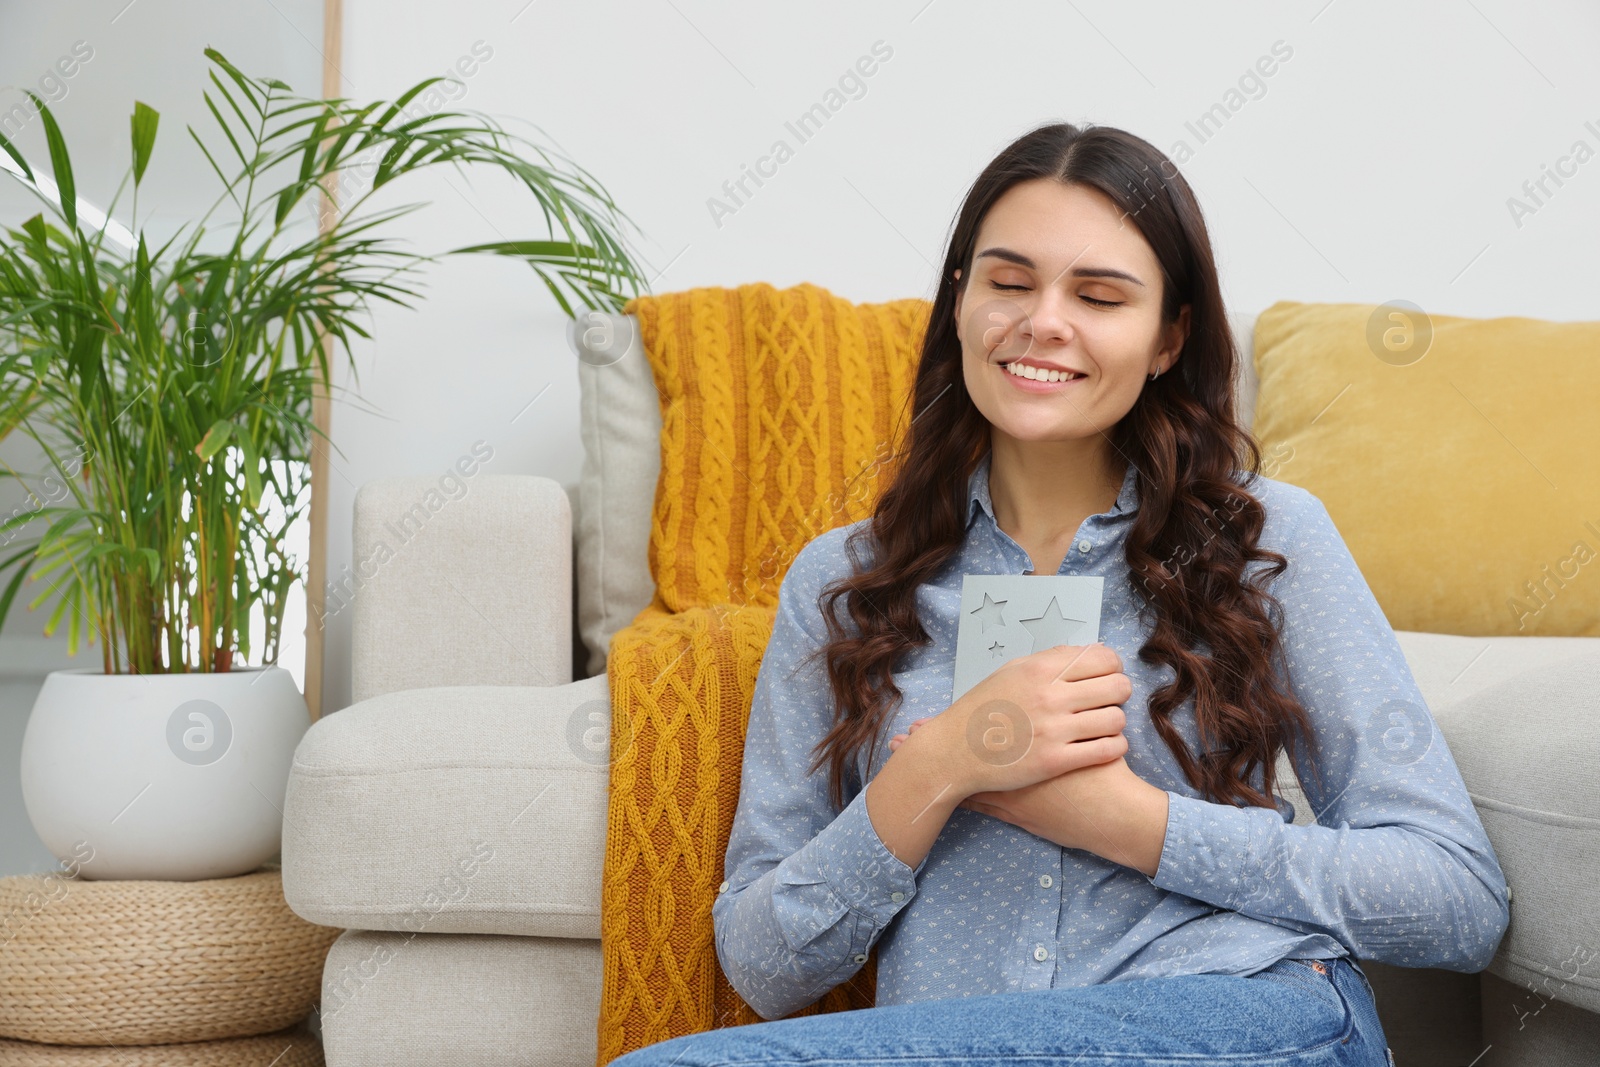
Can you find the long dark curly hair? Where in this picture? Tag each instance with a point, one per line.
(1196, 528)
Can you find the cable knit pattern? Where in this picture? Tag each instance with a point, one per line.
(777, 407)
(773, 402)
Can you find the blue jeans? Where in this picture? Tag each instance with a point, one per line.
(1295, 1013)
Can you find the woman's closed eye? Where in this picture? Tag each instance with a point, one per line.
(1090, 299)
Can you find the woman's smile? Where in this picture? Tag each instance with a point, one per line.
(1017, 375)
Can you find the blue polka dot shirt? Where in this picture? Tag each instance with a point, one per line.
(1396, 866)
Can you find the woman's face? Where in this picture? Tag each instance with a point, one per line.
(1061, 280)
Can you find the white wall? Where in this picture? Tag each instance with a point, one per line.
(1375, 163)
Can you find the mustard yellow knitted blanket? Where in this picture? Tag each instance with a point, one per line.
(779, 410)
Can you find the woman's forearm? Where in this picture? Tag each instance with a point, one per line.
(909, 802)
(1131, 829)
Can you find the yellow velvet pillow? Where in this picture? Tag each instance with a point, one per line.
(1459, 458)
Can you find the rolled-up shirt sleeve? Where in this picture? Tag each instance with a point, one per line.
(808, 888)
(1398, 868)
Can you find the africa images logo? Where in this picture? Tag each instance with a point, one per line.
(199, 732)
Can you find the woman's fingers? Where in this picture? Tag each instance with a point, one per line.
(897, 739)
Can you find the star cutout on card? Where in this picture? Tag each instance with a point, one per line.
(989, 613)
(989, 633)
(1049, 631)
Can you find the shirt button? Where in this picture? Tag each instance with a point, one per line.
(897, 897)
(861, 958)
(1039, 953)
(723, 888)
(1046, 881)
(1083, 546)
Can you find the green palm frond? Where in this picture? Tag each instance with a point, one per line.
(181, 379)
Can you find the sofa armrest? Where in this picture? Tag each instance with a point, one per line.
(465, 583)
(1527, 750)
(455, 809)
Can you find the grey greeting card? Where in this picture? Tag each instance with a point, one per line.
(1004, 616)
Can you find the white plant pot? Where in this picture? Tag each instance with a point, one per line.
(166, 776)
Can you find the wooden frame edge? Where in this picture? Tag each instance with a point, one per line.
(322, 417)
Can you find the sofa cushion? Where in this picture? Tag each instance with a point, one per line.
(1449, 668)
(390, 999)
(619, 420)
(1526, 750)
(1460, 469)
(454, 809)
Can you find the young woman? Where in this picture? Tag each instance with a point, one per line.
(1083, 860)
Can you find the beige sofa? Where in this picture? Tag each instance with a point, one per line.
(453, 818)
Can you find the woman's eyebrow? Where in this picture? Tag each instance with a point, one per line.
(1082, 272)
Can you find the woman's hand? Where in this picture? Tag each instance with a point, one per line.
(1034, 718)
(1104, 808)
(1038, 807)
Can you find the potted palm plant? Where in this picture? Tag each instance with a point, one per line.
(168, 379)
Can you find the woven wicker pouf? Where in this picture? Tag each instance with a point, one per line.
(295, 1047)
(127, 963)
